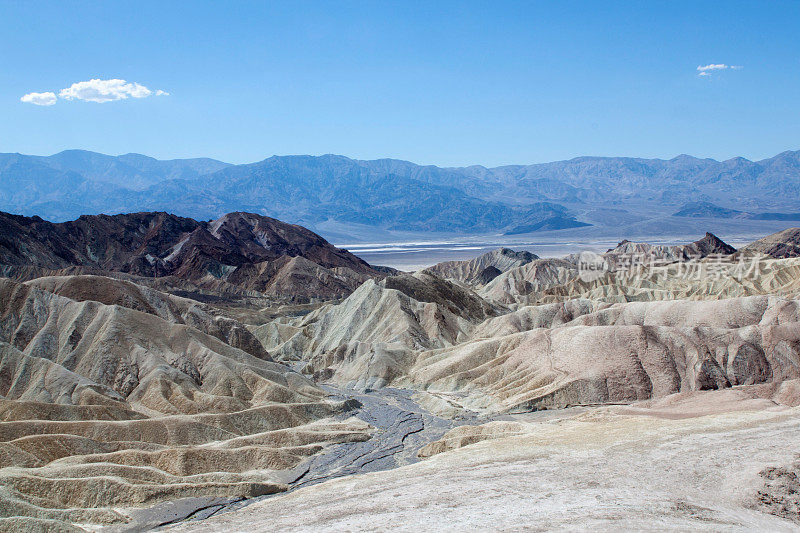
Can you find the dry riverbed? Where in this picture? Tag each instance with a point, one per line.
(727, 468)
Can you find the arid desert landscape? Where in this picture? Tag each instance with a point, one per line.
(369, 266)
(245, 374)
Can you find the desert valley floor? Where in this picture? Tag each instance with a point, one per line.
(245, 374)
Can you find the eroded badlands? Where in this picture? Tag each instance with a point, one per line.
(244, 374)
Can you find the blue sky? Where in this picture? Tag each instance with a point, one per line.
(447, 83)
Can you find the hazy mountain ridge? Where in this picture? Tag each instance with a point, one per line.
(709, 210)
(128, 171)
(394, 194)
(313, 189)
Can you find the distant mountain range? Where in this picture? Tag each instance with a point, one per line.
(709, 210)
(399, 195)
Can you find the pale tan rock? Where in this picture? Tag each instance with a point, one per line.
(473, 271)
(370, 338)
(600, 471)
(124, 404)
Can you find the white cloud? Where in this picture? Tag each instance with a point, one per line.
(706, 70)
(47, 98)
(712, 66)
(102, 91)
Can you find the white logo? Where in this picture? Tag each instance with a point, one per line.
(591, 266)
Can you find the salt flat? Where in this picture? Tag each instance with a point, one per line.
(415, 252)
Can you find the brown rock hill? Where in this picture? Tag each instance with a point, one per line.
(237, 247)
(710, 244)
(175, 309)
(779, 245)
(483, 268)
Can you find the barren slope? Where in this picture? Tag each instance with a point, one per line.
(483, 268)
(785, 243)
(116, 396)
(104, 407)
(370, 336)
(239, 248)
(601, 469)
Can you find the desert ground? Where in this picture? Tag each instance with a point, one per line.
(663, 466)
(245, 374)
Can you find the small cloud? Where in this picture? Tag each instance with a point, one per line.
(706, 70)
(95, 90)
(102, 91)
(47, 98)
(712, 66)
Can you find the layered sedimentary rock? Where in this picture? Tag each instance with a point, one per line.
(618, 355)
(549, 280)
(483, 268)
(299, 279)
(247, 250)
(172, 308)
(575, 351)
(116, 394)
(106, 406)
(693, 280)
(785, 243)
(380, 325)
(710, 244)
(522, 284)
